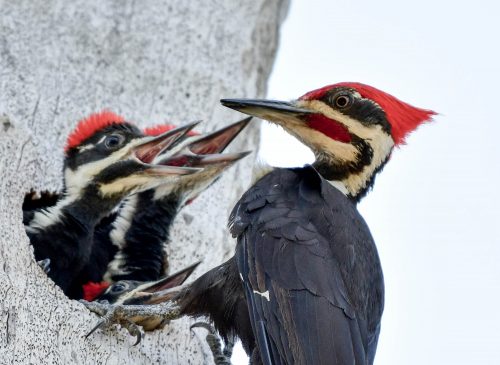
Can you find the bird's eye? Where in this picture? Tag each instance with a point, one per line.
(118, 288)
(114, 141)
(342, 101)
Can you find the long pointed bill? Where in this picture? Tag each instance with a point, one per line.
(163, 289)
(201, 161)
(221, 158)
(276, 111)
(172, 280)
(217, 141)
(163, 170)
(151, 147)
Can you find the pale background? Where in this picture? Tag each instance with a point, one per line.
(434, 208)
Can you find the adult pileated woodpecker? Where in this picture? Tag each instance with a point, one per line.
(131, 244)
(308, 265)
(310, 269)
(105, 160)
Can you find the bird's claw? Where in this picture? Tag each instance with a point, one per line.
(113, 314)
(45, 265)
(128, 315)
(133, 330)
(221, 357)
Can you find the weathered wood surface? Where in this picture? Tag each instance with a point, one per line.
(152, 61)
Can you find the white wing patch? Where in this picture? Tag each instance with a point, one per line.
(263, 294)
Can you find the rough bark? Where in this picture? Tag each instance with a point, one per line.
(151, 61)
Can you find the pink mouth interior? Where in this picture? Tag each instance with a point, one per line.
(148, 156)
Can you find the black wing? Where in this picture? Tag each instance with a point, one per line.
(34, 201)
(311, 272)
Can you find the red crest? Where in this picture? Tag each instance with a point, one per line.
(92, 290)
(162, 128)
(404, 118)
(88, 126)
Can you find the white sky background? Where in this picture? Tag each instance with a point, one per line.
(434, 209)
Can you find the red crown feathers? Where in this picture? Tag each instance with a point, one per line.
(88, 126)
(403, 117)
(92, 290)
(162, 128)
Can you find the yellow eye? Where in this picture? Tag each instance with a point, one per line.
(342, 101)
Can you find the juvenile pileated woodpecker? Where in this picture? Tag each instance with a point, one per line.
(130, 292)
(130, 245)
(305, 260)
(106, 159)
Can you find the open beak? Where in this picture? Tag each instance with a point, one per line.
(272, 110)
(161, 290)
(149, 148)
(205, 150)
(217, 141)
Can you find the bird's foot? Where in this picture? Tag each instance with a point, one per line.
(221, 357)
(129, 315)
(45, 265)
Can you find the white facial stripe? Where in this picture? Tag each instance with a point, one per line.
(77, 180)
(86, 147)
(115, 267)
(317, 141)
(129, 184)
(123, 222)
(189, 186)
(382, 145)
(47, 217)
(380, 141)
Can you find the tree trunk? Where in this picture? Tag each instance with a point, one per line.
(152, 62)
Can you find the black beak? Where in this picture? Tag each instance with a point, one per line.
(271, 110)
(172, 280)
(205, 150)
(150, 147)
(219, 158)
(217, 141)
(160, 291)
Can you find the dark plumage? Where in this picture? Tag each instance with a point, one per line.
(130, 244)
(307, 266)
(142, 256)
(303, 245)
(218, 294)
(106, 159)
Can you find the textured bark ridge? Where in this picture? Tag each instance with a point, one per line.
(151, 61)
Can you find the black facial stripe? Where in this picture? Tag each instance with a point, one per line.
(336, 171)
(362, 110)
(76, 157)
(119, 170)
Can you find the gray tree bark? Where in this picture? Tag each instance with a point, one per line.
(151, 61)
